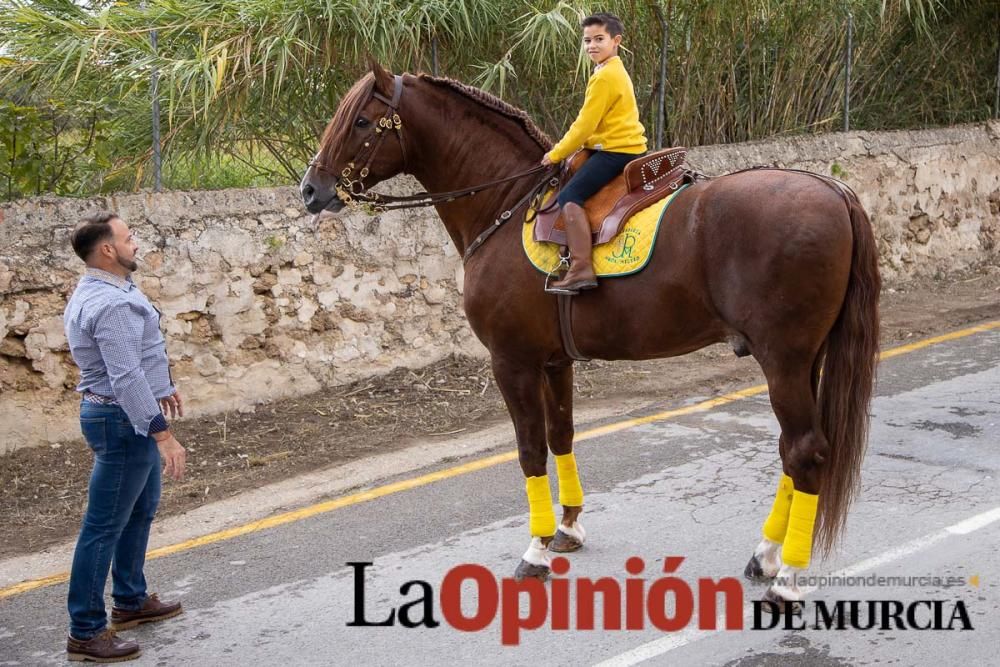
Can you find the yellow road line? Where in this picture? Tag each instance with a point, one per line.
(927, 342)
(471, 466)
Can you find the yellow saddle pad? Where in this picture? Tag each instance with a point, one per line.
(626, 253)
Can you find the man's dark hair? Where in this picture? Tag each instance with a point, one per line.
(611, 23)
(92, 230)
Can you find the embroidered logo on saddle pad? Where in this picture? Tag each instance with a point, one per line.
(626, 253)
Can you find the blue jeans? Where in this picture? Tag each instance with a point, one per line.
(124, 493)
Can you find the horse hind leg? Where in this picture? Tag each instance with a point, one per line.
(803, 455)
(766, 559)
(558, 396)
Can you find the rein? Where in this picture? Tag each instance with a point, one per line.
(383, 202)
(351, 190)
(534, 192)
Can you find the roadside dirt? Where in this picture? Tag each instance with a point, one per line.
(43, 490)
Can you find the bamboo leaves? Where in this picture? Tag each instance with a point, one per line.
(253, 82)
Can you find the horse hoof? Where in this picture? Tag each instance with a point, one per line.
(775, 604)
(526, 570)
(564, 544)
(754, 571)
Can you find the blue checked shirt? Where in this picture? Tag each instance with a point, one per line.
(114, 336)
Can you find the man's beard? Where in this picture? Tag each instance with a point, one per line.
(130, 265)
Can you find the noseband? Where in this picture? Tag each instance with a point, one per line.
(352, 190)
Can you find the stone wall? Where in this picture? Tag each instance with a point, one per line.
(259, 304)
(933, 195)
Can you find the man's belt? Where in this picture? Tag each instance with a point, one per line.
(100, 400)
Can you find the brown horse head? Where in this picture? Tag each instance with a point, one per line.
(361, 146)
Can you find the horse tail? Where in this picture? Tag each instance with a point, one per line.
(847, 381)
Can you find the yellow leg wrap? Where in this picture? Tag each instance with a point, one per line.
(541, 517)
(570, 490)
(797, 548)
(776, 524)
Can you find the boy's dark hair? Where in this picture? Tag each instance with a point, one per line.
(611, 23)
(92, 230)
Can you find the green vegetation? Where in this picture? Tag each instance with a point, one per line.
(247, 86)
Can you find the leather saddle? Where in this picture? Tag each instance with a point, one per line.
(646, 180)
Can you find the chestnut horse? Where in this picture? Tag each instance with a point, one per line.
(780, 264)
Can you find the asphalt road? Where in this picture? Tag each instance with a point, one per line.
(696, 485)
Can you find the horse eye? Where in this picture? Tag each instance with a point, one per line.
(361, 122)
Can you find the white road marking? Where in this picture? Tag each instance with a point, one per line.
(671, 642)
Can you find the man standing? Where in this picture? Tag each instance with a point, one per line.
(114, 336)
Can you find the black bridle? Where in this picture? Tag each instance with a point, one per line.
(350, 189)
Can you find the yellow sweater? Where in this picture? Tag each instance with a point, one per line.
(609, 119)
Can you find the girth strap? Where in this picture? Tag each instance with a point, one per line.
(566, 327)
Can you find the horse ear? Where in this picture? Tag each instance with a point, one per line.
(383, 79)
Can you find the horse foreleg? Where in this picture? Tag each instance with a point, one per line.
(558, 393)
(521, 386)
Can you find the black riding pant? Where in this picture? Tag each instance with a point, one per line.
(599, 169)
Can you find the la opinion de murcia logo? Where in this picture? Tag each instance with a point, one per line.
(470, 598)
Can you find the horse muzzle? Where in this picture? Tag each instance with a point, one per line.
(316, 204)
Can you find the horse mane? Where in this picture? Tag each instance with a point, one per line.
(494, 103)
(336, 132)
(343, 120)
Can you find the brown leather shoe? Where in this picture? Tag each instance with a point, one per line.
(105, 647)
(152, 610)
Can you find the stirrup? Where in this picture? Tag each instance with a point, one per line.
(559, 290)
(564, 265)
(572, 289)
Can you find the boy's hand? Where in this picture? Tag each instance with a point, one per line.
(546, 162)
